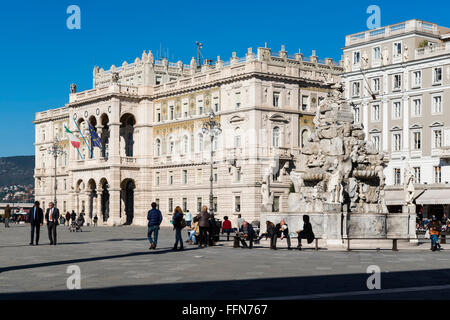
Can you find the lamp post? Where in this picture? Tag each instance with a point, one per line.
(55, 150)
(213, 128)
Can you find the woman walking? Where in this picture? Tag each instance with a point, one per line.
(178, 224)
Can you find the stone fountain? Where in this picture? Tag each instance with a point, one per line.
(339, 181)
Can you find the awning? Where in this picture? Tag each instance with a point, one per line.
(435, 196)
(397, 197)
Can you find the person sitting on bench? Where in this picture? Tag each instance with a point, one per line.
(307, 232)
(270, 233)
(283, 232)
(246, 233)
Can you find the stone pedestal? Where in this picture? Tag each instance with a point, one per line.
(411, 208)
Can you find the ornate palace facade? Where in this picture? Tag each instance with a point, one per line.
(149, 115)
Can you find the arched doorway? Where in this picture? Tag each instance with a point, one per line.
(104, 121)
(104, 199)
(128, 187)
(127, 123)
(92, 194)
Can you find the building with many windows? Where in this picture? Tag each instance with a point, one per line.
(149, 115)
(397, 78)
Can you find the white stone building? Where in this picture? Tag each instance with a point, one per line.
(398, 79)
(149, 115)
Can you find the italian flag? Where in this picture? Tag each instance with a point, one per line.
(73, 138)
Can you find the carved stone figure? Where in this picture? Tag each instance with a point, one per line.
(115, 77)
(409, 186)
(335, 187)
(267, 197)
(73, 88)
(385, 56)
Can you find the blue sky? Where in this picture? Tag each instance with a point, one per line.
(40, 57)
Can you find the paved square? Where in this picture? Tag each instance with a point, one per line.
(115, 263)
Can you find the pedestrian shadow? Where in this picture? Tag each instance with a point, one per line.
(81, 260)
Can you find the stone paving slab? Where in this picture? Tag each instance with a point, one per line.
(115, 263)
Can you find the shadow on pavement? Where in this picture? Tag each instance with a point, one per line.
(290, 287)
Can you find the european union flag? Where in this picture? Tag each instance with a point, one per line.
(96, 141)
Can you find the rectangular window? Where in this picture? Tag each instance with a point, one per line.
(237, 98)
(397, 110)
(397, 176)
(417, 78)
(376, 142)
(170, 205)
(376, 85)
(200, 107)
(170, 177)
(437, 104)
(417, 107)
(416, 174)
(238, 175)
(376, 112)
(376, 53)
(199, 204)
(184, 204)
(185, 110)
(355, 89)
(437, 174)
(158, 80)
(216, 104)
(397, 141)
(417, 140)
(158, 115)
(437, 75)
(185, 176)
(276, 99)
(356, 57)
(171, 113)
(397, 49)
(157, 178)
(357, 114)
(157, 203)
(199, 176)
(437, 138)
(397, 82)
(237, 203)
(276, 204)
(304, 103)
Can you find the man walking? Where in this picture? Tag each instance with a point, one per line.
(154, 218)
(51, 216)
(203, 224)
(68, 216)
(7, 215)
(36, 218)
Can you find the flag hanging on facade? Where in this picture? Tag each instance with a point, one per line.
(96, 142)
(76, 143)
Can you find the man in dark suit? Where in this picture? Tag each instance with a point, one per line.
(36, 218)
(52, 216)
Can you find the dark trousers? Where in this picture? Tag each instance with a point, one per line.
(36, 227)
(227, 231)
(178, 238)
(244, 244)
(51, 226)
(203, 236)
(273, 241)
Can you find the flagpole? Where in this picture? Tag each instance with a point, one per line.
(79, 153)
(92, 155)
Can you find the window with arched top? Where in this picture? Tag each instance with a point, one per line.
(305, 137)
(158, 147)
(237, 137)
(276, 137)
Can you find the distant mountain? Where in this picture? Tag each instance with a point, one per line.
(16, 171)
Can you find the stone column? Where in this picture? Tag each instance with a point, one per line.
(114, 127)
(114, 207)
(99, 205)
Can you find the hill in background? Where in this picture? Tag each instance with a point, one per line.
(17, 171)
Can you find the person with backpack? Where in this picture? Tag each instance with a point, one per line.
(434, 229)
(178, 224)
(154, 218)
